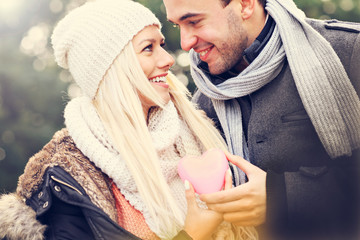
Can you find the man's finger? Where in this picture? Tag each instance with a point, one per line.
(245, 218)
(234, 206)
(227, 195)
(240, 162)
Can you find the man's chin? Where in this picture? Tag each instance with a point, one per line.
(215, 69)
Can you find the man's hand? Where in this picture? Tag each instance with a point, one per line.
(243, 205)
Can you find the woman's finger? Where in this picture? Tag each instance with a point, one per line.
(228, 179)
(190, 195)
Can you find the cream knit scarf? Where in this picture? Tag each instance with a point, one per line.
(171, 136)
(324, 87)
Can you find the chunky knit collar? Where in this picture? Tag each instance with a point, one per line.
(165, 126)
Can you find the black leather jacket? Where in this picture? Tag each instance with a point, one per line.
(62, 195)
(62, 204)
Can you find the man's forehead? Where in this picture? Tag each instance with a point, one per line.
(180, 10)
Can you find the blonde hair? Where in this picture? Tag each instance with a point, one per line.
(119, 107)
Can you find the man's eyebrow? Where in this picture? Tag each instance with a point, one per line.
(186, 16)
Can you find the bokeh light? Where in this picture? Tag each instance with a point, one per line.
(9, 12)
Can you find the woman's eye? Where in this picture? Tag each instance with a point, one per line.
(148, 48)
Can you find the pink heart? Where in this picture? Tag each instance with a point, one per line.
(206, 173)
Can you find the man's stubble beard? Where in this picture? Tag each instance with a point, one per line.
(232, 49)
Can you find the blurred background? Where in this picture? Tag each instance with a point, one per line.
(34, 90)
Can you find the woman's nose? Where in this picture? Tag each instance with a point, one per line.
(166, 60)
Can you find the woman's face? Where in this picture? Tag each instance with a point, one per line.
(154, 60)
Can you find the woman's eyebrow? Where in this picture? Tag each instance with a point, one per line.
(152, 40)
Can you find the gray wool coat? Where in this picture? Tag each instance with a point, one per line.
(307, 192)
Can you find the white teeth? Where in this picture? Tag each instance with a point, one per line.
(158, 79)
(203, 53)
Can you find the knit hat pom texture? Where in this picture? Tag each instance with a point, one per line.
(88, 39)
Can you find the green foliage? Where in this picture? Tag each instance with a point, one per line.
(32, 96)
(30, 111)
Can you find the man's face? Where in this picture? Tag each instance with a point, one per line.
(212, 30)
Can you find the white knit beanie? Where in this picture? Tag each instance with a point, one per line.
(88, 39)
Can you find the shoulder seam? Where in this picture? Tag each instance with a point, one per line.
(342, 26)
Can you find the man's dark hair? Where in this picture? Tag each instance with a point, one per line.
(226, 2)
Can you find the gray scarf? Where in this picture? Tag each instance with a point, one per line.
(323, 85)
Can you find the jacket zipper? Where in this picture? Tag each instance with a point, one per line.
(66, 184)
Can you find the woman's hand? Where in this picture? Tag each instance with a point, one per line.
(201, 223)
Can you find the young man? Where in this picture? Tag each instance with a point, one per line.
(284, 91)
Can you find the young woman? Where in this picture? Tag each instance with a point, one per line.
(112, 172)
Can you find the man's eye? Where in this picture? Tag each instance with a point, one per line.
(194, 22)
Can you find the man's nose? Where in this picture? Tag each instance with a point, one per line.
(188, 39)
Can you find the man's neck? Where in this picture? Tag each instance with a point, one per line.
(256, 47)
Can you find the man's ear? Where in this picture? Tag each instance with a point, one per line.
(248, 8)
